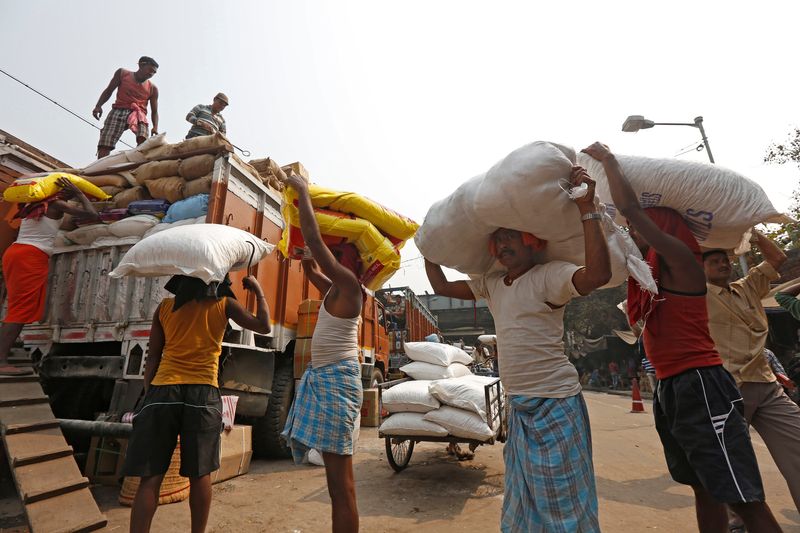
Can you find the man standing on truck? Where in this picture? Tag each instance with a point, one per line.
(26, 264)
(182, 393)
(328, 399)
(738, 324)
(697, 406)
(208, 119)
(549, 480)
(134, 91)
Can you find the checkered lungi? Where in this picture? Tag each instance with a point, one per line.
(115, 125)
(549, 482)
(326, 405)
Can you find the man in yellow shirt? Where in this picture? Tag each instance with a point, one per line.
(738, 325)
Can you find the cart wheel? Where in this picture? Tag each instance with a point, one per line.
(399, 452)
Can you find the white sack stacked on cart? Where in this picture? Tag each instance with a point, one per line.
(420, 370)
(460, 423)
(436, 353)
(526, 191)
(467, 392)
(720, 205)
(409, 397)
(411, 424)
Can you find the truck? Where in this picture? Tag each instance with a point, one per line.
(90, 348)
(408, 319)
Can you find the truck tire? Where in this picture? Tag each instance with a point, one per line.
(267, 429)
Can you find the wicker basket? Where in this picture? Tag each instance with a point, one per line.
(174, 487)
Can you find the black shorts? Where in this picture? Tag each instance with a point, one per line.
(699, 417)
(192, 411)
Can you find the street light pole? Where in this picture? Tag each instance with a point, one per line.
(698, 121)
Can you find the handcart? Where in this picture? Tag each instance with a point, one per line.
(400, 447)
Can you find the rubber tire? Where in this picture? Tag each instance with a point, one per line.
(399, 466)
(377, 378)
(267, 430)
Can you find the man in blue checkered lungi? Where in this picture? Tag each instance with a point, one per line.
(549, 480)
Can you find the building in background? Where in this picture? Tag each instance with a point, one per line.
(460, 319)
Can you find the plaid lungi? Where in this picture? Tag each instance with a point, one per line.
(325, 408)
(115, 125)
(549, 482)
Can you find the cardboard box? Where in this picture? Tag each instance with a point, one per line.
(302, 356)
(236, 450)
(306, 323)
(298, 168)
(309, 306)
(105, 460)
(370, 416)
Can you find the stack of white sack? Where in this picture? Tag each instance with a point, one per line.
(432, 360)
(720, 205)
(407, 404)
(529, 191)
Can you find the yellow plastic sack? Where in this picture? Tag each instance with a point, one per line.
(36, 189)
(380, 258)
(394, 225)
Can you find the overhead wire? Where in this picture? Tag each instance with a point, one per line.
(65, 108)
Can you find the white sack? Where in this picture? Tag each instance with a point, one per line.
(526, 191)
(719, 205)
(411, 424)
(135, 226)
(436, 353)
(460, 423)
(204, 251)
(166, 225)
(409, 397)
(88, 234)
(420, 370)
(467, 392)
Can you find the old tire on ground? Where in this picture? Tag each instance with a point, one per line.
(398, 452)
(267, 429)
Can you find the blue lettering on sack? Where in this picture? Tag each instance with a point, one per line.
(649, 199)
(700, 222)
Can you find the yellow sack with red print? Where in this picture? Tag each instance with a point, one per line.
(393, 225)
(38, 188)
(379, 253)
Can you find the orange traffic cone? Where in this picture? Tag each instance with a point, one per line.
(638, 404)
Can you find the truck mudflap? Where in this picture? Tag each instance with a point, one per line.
(248, 372)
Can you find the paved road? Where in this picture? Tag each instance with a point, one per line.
(439, 494)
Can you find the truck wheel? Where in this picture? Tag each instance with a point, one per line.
(267, 430)
(377, 378)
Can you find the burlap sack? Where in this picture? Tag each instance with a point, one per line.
(198, 186)
(169, 189)
(196, 167)
(201, 143)
(155, 170)
(107, 180)
(165, 150)
(268, 170)
(124, 198)
(298, 168)
(112, 190)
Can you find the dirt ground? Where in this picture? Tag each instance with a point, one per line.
(437, 493)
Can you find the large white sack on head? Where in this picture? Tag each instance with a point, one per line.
(467, 392)
(460, 422)
(436, 353)
(526, 191)
(719, 205)
(420, 370)
(451, 232)
(409, 397)
(412, 425)
(204, 251)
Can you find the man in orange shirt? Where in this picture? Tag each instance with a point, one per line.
(182, 394)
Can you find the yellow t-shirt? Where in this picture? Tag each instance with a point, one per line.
(192, 342)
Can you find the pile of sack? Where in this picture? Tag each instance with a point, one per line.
(344, 217)
(444, 397)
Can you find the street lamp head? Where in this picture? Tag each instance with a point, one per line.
(635, 123)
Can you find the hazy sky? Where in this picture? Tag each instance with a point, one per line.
(403, 101)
